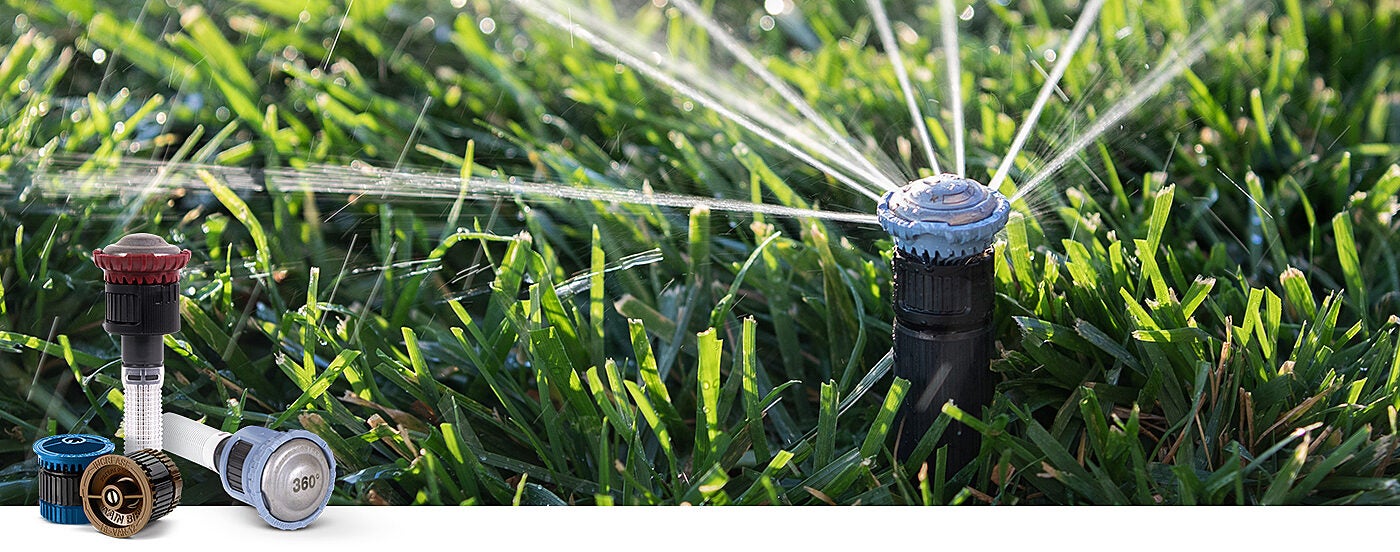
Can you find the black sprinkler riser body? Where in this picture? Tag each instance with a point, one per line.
(142, 309)
(944, 342)
(142, 314)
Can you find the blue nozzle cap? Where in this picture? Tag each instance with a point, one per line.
(286, 475)
(944, 217)
(62, 459)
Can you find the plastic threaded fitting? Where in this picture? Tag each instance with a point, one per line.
(286, 475)
(62, 459)
(943, 228)
(122, 494)
(142, 274)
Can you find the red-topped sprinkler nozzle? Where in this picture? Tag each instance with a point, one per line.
(141, 259)
(142, 274)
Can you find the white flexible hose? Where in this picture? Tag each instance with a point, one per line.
(192, 440)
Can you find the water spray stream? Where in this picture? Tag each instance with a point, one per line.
(1196, 46)
(849, 174)
(1087, 18)
(786, 92)
(882, 23)
(137, 176)
(948, 18)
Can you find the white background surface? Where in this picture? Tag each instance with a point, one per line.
(963, 529)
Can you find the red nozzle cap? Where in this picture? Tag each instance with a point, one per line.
(141, 259)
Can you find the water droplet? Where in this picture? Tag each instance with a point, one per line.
(119, 128)
(459, 4)
(1050, 55)
(222, 113)
(966, 14)
(487, 25)
(775, 7)
(766, 23)
(99, 55)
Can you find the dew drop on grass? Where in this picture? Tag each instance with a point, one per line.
(487, 25)
(99, 56)
(966, 14)
(459, 4)
(766, 23)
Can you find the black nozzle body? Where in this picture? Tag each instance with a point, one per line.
(943, 347)
(141, 314)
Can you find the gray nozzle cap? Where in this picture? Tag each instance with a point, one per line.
(287, 476)
(296, 480)
(943, 217)
(136, 244)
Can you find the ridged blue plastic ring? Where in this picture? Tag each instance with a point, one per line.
(62, 459)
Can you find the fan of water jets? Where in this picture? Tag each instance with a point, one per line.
(795, 126)
(735, 83)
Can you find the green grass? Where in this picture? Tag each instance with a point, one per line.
(1201, 312)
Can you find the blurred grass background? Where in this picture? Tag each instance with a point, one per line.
(1200, 310)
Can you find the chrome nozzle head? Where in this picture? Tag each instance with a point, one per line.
(944, 217)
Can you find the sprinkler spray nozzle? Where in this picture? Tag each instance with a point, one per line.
(945, 218)
(286, 475)
(943, 228)
(121, 494)
(142, 274)
(62, 459)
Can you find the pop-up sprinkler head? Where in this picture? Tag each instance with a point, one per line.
(142, 273)
(286, 475)
(62, 459)
(121, 494)
(943, 229)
